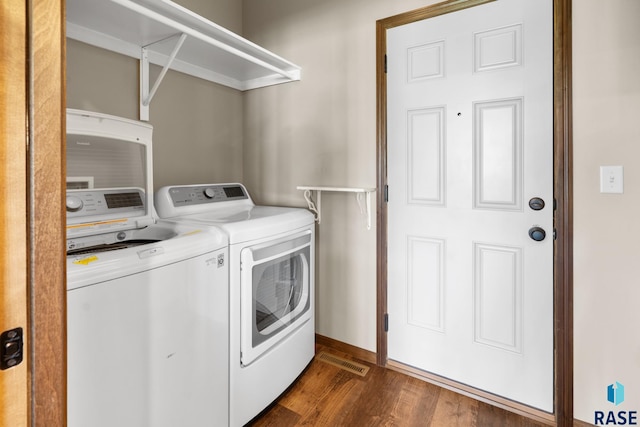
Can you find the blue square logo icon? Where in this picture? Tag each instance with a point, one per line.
(615, 393)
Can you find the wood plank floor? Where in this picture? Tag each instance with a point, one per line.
(326, 395)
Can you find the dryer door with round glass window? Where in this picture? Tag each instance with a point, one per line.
(275, 292)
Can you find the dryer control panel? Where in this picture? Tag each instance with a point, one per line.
(180, 200)
(200, 194)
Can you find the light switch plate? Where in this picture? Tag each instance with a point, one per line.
(612, 179)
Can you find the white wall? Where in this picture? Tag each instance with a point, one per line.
(606, 100)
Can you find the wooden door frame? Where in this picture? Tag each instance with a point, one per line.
(563, 213)
(32, 97)
(47, 222)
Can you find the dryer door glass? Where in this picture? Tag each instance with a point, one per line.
(280, 292)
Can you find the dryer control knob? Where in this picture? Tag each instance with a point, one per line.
(209, 193)
(74, 203)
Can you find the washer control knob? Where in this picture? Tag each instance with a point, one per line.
(209, 193)
(74, 203)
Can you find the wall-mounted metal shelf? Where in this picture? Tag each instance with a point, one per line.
(164, 33)
(365, 206)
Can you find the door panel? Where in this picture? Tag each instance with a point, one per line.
(497, 296)
(497, 154)
(469, 134)
(425, 174)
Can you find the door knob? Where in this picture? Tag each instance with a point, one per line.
(537, 234)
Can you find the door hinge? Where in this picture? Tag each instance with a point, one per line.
(385, 63)
(386, 322)
(386, 193)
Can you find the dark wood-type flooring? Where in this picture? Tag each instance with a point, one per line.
(326, 395)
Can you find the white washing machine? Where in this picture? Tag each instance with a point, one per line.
(147, 300)
(271, 288)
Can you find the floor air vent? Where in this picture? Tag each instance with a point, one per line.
(348, 365)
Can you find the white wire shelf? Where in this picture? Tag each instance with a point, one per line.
(164, 33)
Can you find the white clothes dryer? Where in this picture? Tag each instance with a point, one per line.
(271, 289)
(147, 300)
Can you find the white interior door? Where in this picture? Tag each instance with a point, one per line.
(470, 158)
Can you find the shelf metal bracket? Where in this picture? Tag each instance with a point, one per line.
(315, 207)
(146, 95)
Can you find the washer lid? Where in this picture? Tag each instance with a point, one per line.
(109, 173)
(171, 242)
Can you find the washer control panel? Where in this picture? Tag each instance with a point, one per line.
(201, 194)
(86, 203)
